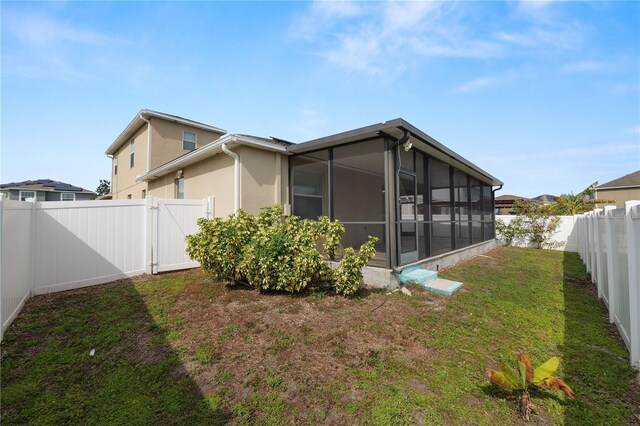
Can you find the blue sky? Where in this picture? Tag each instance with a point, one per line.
(543, 95)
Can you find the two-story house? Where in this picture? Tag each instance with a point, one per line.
(45, 190)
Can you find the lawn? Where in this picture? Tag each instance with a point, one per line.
(181, 348)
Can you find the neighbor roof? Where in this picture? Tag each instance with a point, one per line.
(137, 121)
(507, 197)
(395, 129)
(630, 180)
(44, 185)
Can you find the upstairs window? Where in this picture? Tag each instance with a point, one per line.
(131, 154)
(27, 194)
(180, 188)
(115, 166)
(188, 141)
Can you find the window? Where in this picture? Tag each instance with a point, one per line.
(144, 193)
(115, 166)
(131, 154)
(310, 175)
(188, 141)
(180, 188)
(128, 196)
(440, 195)
(27, 194)
(67, 196)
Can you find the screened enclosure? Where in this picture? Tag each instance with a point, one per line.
(417, 205)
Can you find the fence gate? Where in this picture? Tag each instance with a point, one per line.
(172, 221)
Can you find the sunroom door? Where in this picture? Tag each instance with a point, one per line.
(407, 211)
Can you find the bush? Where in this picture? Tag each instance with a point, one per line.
(510, 233)
(271, 254)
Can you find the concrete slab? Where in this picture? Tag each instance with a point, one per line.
(417, 276)
(443, 286)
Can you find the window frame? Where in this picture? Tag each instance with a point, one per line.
(35, 195)
(132, 151)
(67, 193)
(194, 142)
(115, 166)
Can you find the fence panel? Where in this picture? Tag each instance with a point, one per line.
(176, 219)
(15, 267)
(620, 284)
(87, 242)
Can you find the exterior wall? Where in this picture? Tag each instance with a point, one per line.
(166, 140)
(620, 195)
(210, 177)
(14, 194)
(124, 183)
(260, 171)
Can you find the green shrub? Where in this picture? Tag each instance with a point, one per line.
(269, 253)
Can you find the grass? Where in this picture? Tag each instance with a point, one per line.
(181, 348)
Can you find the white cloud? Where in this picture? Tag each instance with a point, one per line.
(373, 37)
(583, 66)
(477, 84)
(44, 32)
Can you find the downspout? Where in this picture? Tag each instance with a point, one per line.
(236, 176)
(148, 142)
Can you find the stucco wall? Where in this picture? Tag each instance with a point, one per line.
(620, 195)
(166, 140)
(124, 183)
(210, 177)
(258, 179)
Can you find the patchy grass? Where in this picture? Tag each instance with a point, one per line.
(183, 349)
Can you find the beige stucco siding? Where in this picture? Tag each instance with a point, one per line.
(166, 140)
(620, 195)
(124, 183)
(260, 178)
(210, 177)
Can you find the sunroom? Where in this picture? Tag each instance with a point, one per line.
(392, 181)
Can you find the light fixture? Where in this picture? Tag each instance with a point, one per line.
(179, 174)
(407, 145)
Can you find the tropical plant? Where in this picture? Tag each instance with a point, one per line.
(511, 232)
(570, 204)
(521, 379)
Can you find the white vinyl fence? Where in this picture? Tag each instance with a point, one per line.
(609, 245)
(54, 246)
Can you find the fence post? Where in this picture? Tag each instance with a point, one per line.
(597, 249)
(33, 249)
(634, 285)
(592, 255)
(611, 253)
(148, 240)
(1, 267)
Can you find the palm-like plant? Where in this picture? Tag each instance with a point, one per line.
(521, 379)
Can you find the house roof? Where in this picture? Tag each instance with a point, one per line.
(137, 121)
(45, 185)
(211, 149)
(396, 129)
(507, 197)
(630, 180)
(546, 198)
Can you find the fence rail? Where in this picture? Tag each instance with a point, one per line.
(54, 246)
(609, 246)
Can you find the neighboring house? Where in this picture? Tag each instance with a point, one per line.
(504, 203)
(545, 199)
(389, 180)
(45, 190)
(625, 188)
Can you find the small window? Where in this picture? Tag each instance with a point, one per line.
(188, 141)
(27, 194)
(115, 166)
(67, 196)
(128, 196)
(144, 193)
(180, 188)
(131, 154)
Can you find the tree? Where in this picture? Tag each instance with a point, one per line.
(104, 187)
(569, 204)
(539, 224)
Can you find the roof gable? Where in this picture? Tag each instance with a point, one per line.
(632, 179)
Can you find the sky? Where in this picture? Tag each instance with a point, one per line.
(545, 95)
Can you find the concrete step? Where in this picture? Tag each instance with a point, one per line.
(442, 286)
(417, 276)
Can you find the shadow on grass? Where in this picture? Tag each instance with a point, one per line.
(134, 377)
(595, 360)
